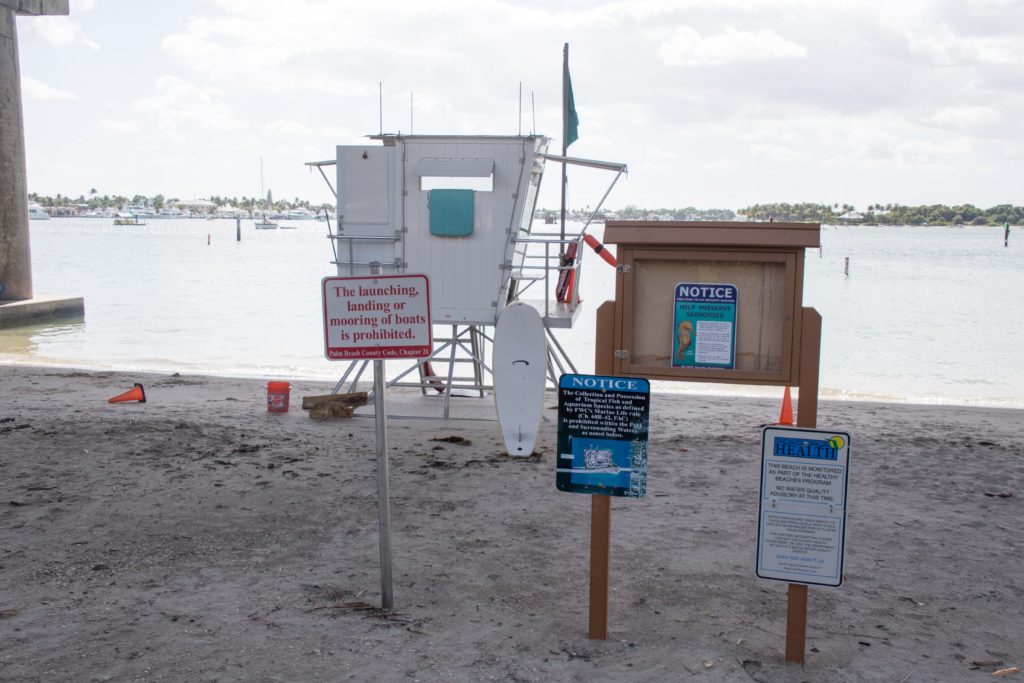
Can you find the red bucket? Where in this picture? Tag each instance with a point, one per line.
(277, 396)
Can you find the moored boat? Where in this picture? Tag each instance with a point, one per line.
(264, 223)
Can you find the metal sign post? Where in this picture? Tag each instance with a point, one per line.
(380, 419)
(378, 317)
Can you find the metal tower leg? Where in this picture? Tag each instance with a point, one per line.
(558, 352)
(477, 345)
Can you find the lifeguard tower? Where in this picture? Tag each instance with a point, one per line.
(458, 208)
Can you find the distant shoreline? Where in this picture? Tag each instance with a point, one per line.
(575, 219)
(959, 216)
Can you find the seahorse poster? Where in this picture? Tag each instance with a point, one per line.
(704, 325)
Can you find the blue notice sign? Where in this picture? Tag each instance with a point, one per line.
(602, 435)
(704, 325)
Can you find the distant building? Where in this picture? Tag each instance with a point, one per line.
(228, 211)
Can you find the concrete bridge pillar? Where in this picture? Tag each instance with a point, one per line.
(17, 304)
(15, 258)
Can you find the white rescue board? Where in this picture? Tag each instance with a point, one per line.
(519, 367)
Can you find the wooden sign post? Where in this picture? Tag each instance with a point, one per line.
(802, 508)
(601, 506)
(600, 555)
(708, 302)
(602, 451)
(806, 416)
(796, 623)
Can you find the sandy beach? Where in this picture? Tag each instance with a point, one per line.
(195, 537)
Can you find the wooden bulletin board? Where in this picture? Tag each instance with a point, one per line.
(763, 260)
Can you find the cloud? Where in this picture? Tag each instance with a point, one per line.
(234, 47)
(31, 89)
(337, 132)
(888, 139)
(721, 165)
(964, 116)
(928, 153)
(286, 127)
(291, 131)
(119, 126)
(776, 152)
(686, 47)
(61, 30)
(179, 104)
(944, 47)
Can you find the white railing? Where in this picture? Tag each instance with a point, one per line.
(542, 262)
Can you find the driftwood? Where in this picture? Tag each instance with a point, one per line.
(357, 399)
(328, 410)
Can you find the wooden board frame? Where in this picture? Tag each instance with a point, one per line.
(719, 234)
(730, 242)
(631, 258)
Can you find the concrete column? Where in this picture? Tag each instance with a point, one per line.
(15, 257)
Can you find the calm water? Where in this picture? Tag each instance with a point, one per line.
(927, 315)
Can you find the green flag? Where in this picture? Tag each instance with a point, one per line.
(572, 120)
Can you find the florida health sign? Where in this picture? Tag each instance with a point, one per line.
(802, 517)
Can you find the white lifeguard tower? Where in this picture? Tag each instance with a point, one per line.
(458, 208)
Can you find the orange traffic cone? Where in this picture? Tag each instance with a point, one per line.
(786, 414)
(136, 393)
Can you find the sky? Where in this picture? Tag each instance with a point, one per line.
(711, 103)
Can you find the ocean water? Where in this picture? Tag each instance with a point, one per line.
(926, 314)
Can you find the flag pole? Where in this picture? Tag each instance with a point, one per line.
(565, 136)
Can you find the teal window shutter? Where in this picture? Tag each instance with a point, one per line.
(451, 212)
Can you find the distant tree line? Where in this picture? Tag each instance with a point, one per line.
(875, 214)
(96, 201)
(633, 212)
(887, 214)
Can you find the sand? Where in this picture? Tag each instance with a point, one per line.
(196, 537)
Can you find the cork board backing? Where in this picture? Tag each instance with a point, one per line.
(766, 312)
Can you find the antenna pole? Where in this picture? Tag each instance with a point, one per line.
(380, 104)
(520, 107)
(410, 113)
